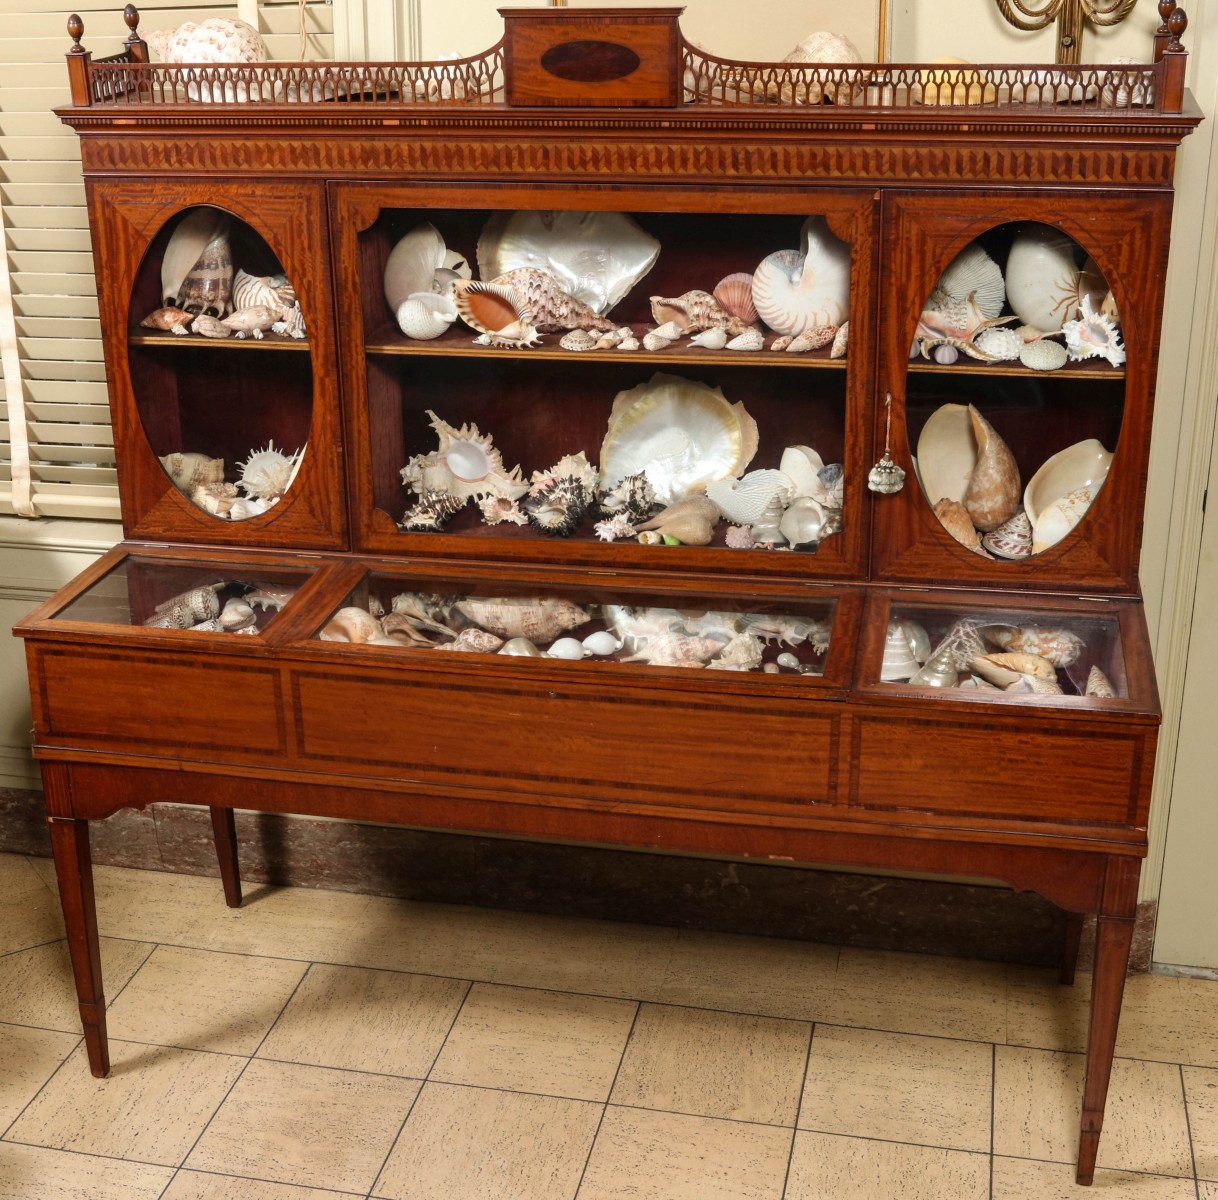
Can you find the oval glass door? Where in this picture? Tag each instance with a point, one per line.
(1016, 391)
(220, 365)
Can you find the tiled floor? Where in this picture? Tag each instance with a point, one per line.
(319, 1044)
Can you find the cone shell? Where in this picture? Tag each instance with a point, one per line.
(993, 493)
(735, 294)
(1098, 685)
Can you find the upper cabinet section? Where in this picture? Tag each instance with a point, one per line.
(219, 346)
(638, 383)
(1020, 353)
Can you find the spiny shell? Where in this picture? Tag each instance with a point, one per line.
(1043, 355)
(993, 495)
(272, 290)
(558, 507)
(268, 473)
(1093, 335)
(511, 617)
(735, 294)
(742, 653)
(291, 323)
(694, 311)
(553, 309)
(431, 511)
(466, 464)
(1003, 344)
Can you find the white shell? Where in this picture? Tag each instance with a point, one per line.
(750, 339)
(742, 501)
(793, 289)
(974, 275)
(803, 522)
(681, 433)
(1093, 335)
(268, 473)
(1055, 521)
(899, 661)
(821, 47)
(1045, 284)
(601, 643)
(412, 264)
(465, 465)
(1121, 89)
(1004, 344)
(710, 339)
(595, 256)
(216, 40)
(425, 315)
(567, 647)
(947, 453)
(1043, 355)
(1084, 464)
(800, 464)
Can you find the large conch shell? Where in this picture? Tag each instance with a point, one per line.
(962, 458)
(197, 267)
(678, 432)
(825, 48)
(466, 464)
(497, 311)
(796, 289)
(694, 312)
(993, 495)
(597, 257)
(553, 309)
(540, 620)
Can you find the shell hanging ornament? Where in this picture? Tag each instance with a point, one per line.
(886, 477)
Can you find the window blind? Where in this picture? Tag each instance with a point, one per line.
(56, 447)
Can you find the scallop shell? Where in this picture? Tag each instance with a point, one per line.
(742, 501)
(751, 339)
(496, 310)
(412, 264)
(466, 464)
(680, 433)
(693, 312)
(268, 473)
(1003, 344)
(1043, 355)
(1093, 335)
(1012, 539)
(597, 257)
(425, 315)
(953, 516)
(993, 493)
(735, 294)
(187, 470)
(1099, 685)
(553, 309)
(971, 275)
(793, 289)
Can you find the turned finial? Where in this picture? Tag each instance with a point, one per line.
(131, 15)
(1166, 8)
(1177, 23)
(76, 30)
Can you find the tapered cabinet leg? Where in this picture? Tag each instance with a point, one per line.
(74, 870)
(1113, 937)
(224, 830)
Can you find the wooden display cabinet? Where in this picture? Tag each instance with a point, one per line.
(818, 749)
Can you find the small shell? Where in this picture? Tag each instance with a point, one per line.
(841, 341)
(1099, 686)
(649, 537)
(955, 519)
(520, 647)
(567, 647)
(739, 537)
(710, 339)
(629, 342)
(1003, 344)
(601, 643)
(210, 327)
(167, 318)
(781, 343)
(425, 315)
(655, 341)
(945, 355)
(815, 337)
(1093, 335)
(670, 330)
(1012, 539)
(1043, 355)
(735, 294)
(237, 615)
(788, 660)
(750, 339)
(803, 523)
(578, 339)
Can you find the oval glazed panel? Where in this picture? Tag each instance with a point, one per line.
(590, 61)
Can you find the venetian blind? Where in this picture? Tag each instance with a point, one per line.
(55, 423)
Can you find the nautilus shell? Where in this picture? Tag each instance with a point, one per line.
(795, 289)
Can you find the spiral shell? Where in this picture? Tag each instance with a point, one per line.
(793, 289)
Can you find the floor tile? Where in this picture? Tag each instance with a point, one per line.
(824, 1167)
(714, 1064)
(386, 1022)
(1201, 1097)
(767, 976)
(29, 910)
(36, 1173)
(311, 1126)
(1023, 1179)
(1036, 1111)
(194, 1185)
(36, 985)
(151, 1109)
(919, 993)
(533, 1041)
(464, 1143)
(1207, 1191)
(899, 1087)
(204, 1000)
(30, 1058)
(647, 1155)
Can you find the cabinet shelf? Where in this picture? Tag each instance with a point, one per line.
(268, 341)
(1087, 369)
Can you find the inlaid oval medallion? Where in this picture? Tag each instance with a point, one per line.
(590, 61)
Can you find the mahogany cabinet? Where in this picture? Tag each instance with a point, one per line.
(378, 569)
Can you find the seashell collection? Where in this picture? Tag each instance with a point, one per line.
(221, 606)
(203, 294)
(261, 480)
(974, 652)
(553, 627)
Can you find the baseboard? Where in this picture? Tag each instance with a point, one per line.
(917, 915)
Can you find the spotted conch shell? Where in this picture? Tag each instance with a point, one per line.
(553, 309)
(694, 312)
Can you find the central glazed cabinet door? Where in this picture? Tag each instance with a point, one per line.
(417, 400)
(1018, 340)
(229, 436)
